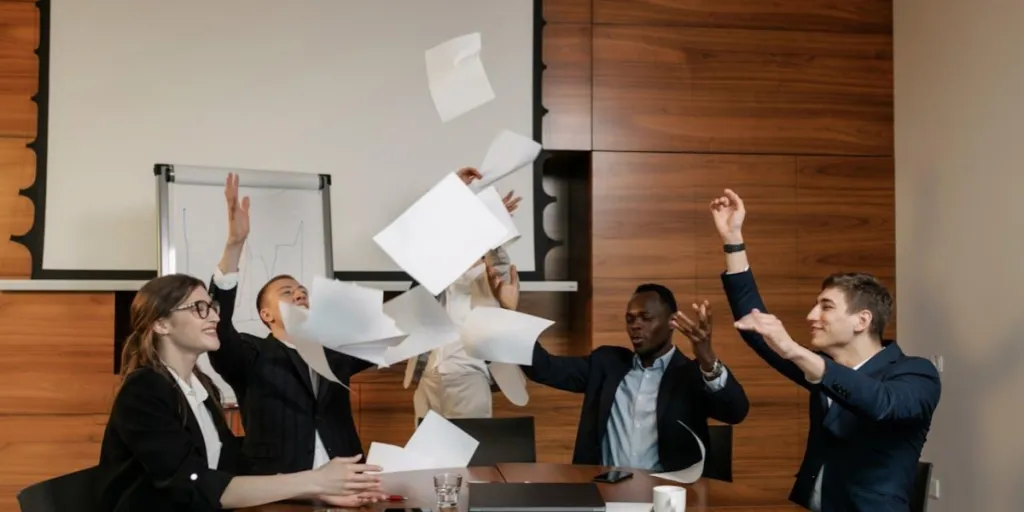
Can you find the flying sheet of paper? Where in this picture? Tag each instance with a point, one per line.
(456, 76)
(501, 335)
(375, 352)
(442, 442)
(690, 474)
(628, 507)
(393, 459)
(343, 314)
(441, 235)
(312, 353)
(492, 199)
(418, 313)
(508, 153)
(512, 381)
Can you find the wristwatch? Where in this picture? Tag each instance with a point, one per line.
(731, 248)
(716, 370)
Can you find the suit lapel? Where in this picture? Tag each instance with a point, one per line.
(891, 352)
(301, 368)
(668, 382)
(192, 425)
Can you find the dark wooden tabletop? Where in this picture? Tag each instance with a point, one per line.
(706, 495)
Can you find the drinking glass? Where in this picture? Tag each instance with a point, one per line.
(447, 486)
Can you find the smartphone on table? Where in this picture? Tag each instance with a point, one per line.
(611, 477)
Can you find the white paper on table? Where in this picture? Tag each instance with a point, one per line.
(501, 335)
(508, 153)
(440, 441)
(492, 200)
(441, 235)
(510, 378)
(312, 353)
(692, 473)
(456, 76)
(628, 507)
(343, 314)
(393, 459)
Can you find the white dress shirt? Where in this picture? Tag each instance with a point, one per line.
(815, 504)
(320, 457)
(195, 395)
(468, 291)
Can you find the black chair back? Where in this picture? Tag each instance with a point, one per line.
(718, 461)
(74, 491)
(501, 439)
(923, 479)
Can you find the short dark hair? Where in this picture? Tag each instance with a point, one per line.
(666, 296)
(262, 294)
(863, 291)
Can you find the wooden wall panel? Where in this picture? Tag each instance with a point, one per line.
(810, 15)
(567, 11)
(567, 85)
(19, 69)
(703, 90)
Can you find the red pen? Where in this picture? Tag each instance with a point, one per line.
(395, 497)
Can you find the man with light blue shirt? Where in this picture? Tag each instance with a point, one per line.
(634, 400)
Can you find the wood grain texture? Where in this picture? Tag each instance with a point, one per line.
(705, 90)
(567, 11)
(19, 68)
(871, 16)
(566, 89)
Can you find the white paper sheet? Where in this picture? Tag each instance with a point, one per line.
(393, 459)
(628, 507)
(343, 314)
(442, 442)
(690, 474)
(312, 353)
(501, 335)
(492, 200)
(375, 352)
(456, 76)
(445, 232)
(512, 381)
(509, 152)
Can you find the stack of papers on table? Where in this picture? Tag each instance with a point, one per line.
(436, 444)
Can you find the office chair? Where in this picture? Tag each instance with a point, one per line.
(718, 461)
(923, 479)
(73, 491)
(501, 439)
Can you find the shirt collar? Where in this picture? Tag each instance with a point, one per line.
(192, 388)
(659, 364)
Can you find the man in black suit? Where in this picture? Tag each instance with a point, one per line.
(634, 400)
(870, 406)
(294, 419)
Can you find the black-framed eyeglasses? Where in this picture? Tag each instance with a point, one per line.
(201, 307)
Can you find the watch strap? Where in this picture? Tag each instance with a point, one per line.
(716, 370)
(731, 248)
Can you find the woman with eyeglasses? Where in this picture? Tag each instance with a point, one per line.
(167, 445)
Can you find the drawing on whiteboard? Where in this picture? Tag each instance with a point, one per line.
(260, 261)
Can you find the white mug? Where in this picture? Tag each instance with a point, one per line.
(669, 498)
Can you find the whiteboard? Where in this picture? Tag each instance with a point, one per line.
(334, 87)
(290, 233)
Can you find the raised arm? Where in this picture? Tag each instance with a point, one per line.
(147, 417)
(567, 373)
(740, 288)
(724, 397)
(236, 354)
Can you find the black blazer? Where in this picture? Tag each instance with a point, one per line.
(153, 458)
(275, 396)
(871, 438)
(683, 395)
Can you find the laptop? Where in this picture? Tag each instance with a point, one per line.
(491, 497)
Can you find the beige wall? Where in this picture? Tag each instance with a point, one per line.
(959, 102)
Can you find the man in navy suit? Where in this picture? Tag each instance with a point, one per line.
(870, 405)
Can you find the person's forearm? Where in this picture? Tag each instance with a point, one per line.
(735, 262)
(230, 258)
(251, 491)
(813, 365)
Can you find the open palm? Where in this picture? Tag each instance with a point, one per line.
(238, 212)
(728, 212)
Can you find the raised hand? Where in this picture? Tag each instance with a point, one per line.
(507, 294)
(729, 212)
(771, 329)
(468, 174)
(511, 202)
(699, 333)
(238, 212)
(342, 477)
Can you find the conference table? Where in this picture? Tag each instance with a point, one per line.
(705, 495)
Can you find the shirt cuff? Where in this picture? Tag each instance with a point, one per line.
(224, 281)
(719, 382)
(734, 273)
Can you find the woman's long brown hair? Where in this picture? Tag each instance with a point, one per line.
(156, 300)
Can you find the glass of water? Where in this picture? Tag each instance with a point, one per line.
(447, 486)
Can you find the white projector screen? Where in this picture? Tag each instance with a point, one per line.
(336, 87)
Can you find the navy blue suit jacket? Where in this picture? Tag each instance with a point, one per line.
(871, 438)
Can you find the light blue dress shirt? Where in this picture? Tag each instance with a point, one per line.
(631, 440)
